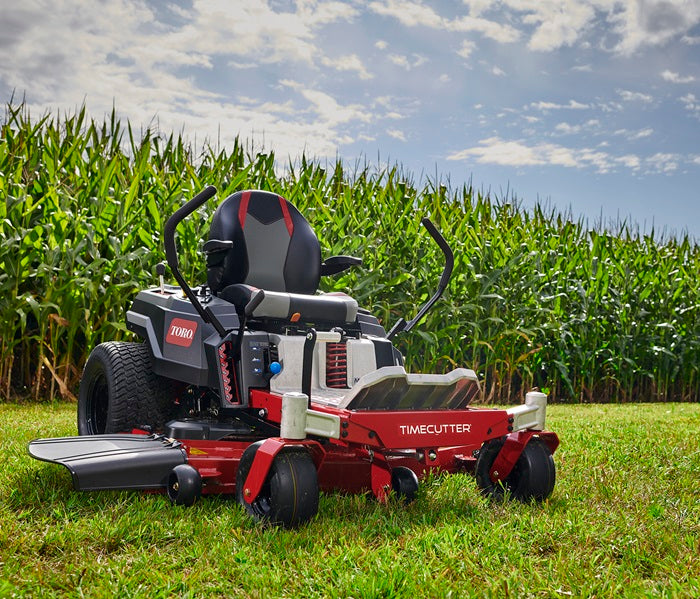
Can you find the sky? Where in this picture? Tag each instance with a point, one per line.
(588, 106)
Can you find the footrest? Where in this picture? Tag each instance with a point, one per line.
(112, 461)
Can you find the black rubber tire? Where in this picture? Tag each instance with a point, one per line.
(119, 391)
(532, 477)
(184, 485)
(289, 496)
(404, 482)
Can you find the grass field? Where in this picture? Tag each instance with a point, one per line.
(624, 521)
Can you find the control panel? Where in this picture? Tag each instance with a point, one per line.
(259, 360)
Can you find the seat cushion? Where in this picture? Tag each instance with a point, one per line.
(294, 307)
(274, 247)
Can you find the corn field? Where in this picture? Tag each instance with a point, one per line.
(536, 299)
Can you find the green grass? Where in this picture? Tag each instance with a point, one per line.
(624, 521)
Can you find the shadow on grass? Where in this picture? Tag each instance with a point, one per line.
(38, 491)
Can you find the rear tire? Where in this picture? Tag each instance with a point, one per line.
(289, 496)
(119, 391)
(532, 477)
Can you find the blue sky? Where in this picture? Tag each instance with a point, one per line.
(588, 105)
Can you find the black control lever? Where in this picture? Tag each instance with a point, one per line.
(171, 254)
(402, 325)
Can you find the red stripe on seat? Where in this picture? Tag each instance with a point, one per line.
(243, 208)
(287, 216)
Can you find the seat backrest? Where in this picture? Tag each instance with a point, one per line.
(274, 248)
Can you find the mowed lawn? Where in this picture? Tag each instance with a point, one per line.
(623, 521)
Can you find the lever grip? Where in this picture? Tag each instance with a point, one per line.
(402, 325)
(171, 254)
(169, 231)
(446, 250)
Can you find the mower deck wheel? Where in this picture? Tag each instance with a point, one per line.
(289, 495)
(184, 485)
(532, 477)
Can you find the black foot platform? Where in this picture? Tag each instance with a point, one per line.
(113, 461)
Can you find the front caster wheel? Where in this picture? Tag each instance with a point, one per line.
(184, 485)
(532, 476)
(404, 482)
(289, 496)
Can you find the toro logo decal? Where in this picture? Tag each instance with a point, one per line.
(181, 332)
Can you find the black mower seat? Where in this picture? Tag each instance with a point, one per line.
(264, 257)
(293, 307)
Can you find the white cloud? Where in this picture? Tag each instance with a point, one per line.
(663, 163)
(406, 63)
(444, 78)
(255, 30)
(350, 62)
(466, 49)
(396, 134)
(643, 133)
(557, 23)
(498, 32)
(691, 104)
(411, 14)
(566, 129)
(327, 108)
(631, 161)
(381, 44)
(676, 77)
(241, 65)
(495, 150)
(545, 106)
(652, 22)
(415, 14)
(633, 135)
(629, 96)
(506, 153)
(400, 60)
(498, 72)
(574, 105)
(392, 107)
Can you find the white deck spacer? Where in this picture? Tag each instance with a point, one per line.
(531, 415)
(293, 422)
(298, 421)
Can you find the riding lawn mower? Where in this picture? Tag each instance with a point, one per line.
(253, 384)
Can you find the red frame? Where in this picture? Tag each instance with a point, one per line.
(371, 444)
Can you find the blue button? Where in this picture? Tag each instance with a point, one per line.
(275, 367)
